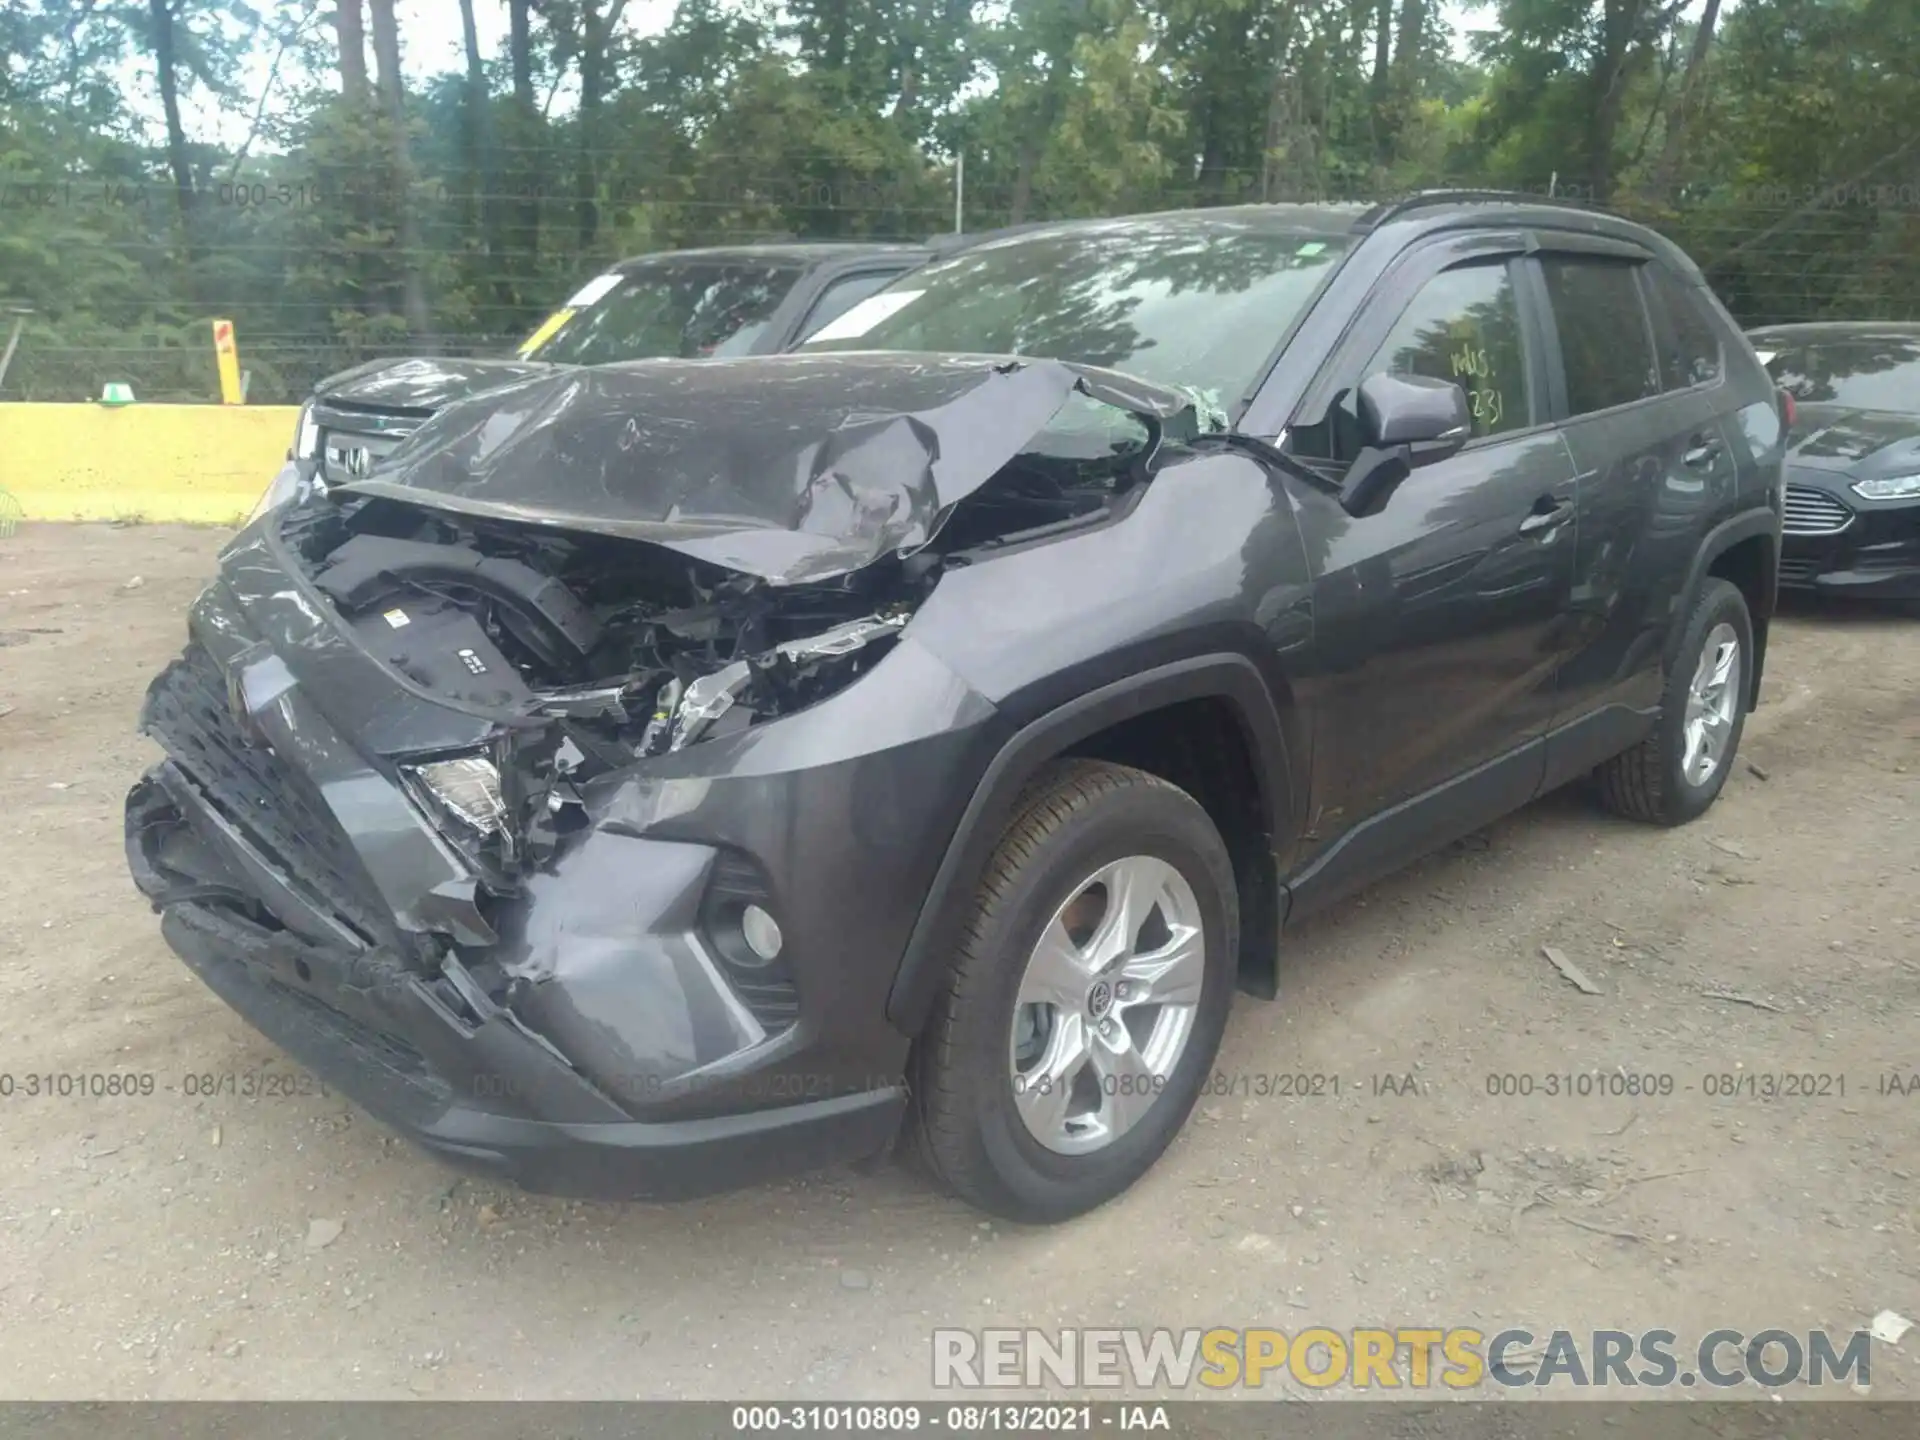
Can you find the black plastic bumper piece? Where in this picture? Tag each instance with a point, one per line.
(636, 1160)
(483, 1095)
(1859, 584)
(1877, 557)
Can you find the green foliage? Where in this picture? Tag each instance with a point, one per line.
(746, 119)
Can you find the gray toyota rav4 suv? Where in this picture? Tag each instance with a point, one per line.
(659, 776)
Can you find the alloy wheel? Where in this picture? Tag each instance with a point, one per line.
(1713, 703)
(1106, 1004)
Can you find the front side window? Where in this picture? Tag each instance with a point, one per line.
(1605, 341)
(1464, 326)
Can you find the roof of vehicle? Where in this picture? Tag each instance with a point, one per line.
(1840, 330)
(1432, 208)
(798, 253)
(1331, 219)
(1476, 205)
(1439, 210)
(1425, 211)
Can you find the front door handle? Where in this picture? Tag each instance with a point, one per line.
(1547, 514)
(1702, 451)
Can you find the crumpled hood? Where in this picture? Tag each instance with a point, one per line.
(793, 468)
(425, 383)
(1866, 442)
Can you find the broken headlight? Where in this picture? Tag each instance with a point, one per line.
(467, 788)
(286, 485)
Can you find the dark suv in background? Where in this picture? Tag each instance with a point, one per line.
(1853, 462)
(737, 300)
(663, 775)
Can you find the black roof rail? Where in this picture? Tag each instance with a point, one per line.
(1393, 209)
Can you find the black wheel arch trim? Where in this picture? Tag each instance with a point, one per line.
(1222, 676)
(1735, 529)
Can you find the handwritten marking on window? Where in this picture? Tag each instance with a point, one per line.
(1471, 360)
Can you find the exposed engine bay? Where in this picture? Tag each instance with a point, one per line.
(611, 632)
(613, 563)
(595, 651)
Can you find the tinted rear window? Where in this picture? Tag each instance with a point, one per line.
(1604, 338)
(1689, 339)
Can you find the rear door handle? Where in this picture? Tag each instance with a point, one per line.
(1547, 514)
(1702, 451)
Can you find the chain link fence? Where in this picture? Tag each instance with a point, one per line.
(1775, 254)
(275, 369)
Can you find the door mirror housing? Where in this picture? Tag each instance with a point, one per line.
(1414, 410)
(1406, 421)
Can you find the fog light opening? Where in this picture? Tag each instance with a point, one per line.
(762, 934)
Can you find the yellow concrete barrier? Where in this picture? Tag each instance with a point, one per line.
(164, 463)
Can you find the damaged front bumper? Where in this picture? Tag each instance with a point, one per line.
(596, 1151)
(597, 1032)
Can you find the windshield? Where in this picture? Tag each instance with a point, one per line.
(1876, 373)
(1192, 301)
(664, 310)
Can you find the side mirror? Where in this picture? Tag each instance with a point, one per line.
(1405, 419)
(1414, 410)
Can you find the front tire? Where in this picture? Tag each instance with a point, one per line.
(1678, 771)
(1088, 999)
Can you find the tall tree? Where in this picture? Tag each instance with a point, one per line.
(473, 128)
(1620, 37)
(1403, 75)
(1407, 41)
(1565, 74)
(596, 33)
(349, 23)
(1279, 159)
(1045, 39)
(1380, 84)
(160, 38)
(393, 105)
(520, 51)
(520, 215)
(1687, 103)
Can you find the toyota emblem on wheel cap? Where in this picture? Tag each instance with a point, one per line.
(1099, 998)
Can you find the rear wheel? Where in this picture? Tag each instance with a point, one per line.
(1088, 999)
(1678, 771)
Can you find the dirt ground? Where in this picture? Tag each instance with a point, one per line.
(163, 1247)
